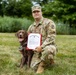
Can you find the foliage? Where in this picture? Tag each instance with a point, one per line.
(65, 60)
(40, 2)
(58, 10)
(62, 29)
(9, 24)
(20, 8)
(62, 10)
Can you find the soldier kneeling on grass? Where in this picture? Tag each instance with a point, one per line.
(45, 53)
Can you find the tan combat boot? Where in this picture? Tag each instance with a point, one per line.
(40, 68)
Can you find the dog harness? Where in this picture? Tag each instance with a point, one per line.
(22, 46)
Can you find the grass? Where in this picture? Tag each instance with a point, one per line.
(65, 60)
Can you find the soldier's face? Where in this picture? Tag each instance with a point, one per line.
(37, 14)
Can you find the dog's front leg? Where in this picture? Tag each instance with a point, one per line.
(22, 62)
(30, 54)
(23, 59)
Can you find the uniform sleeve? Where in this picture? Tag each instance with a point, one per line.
(51, 34)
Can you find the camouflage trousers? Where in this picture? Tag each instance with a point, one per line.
(46, 55)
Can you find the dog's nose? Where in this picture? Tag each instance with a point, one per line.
(20, 35)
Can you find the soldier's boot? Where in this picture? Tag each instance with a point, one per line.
(40, 68)
(50, 57)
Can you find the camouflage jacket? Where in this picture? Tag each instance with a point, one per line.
(47, 29)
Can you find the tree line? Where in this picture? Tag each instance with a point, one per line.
(18, 8)
(63, 10)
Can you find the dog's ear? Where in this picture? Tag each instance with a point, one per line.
(16, 34)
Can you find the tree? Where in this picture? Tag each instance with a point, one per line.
(62, 10)
(3, 5)
(20, 8)
(0, 8)
(42, 2)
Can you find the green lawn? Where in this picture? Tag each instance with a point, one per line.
(65, 60)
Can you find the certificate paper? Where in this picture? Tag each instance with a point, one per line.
(34, 40)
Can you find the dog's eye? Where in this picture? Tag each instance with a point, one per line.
(22, 32)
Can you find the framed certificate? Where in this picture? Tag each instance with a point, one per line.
(34, 40)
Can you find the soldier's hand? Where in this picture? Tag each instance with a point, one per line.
(38, 49)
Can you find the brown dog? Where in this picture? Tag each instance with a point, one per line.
(22, 36)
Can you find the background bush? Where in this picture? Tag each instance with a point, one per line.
(64, 29)
(9, 24)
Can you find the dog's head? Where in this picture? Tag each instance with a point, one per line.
(21, 35)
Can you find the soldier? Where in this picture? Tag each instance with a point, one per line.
(45, 53)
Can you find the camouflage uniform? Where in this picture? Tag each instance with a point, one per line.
(47, 28)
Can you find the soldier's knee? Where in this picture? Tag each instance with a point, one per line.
(50, 56)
